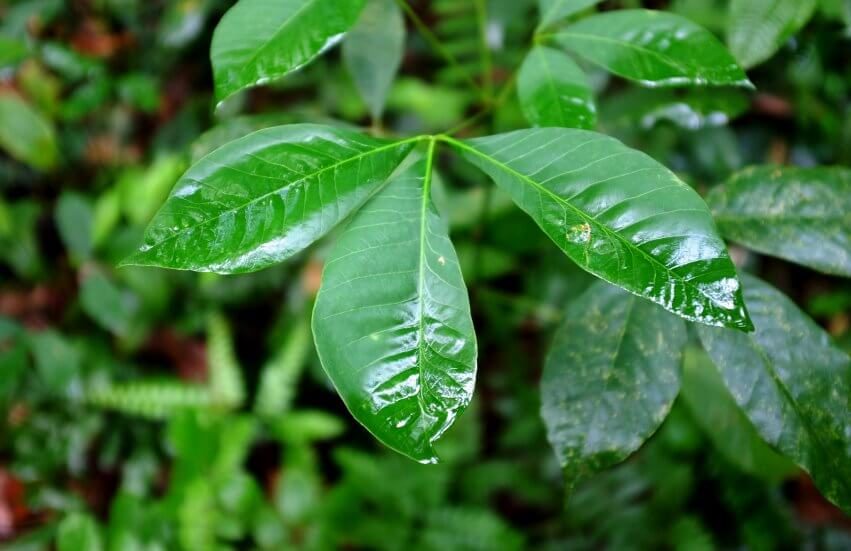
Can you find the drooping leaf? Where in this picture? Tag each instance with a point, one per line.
(653, 48)
(262, 198)
(800, 214)
(724, 423)
(373, 51)
(757, 28)
(392, 320)
(25, 134)
(261, 40)
(610, 378)
(552, 11)
(793, 384)
(618, 214)
(554, 91)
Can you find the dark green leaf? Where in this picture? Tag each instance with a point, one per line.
(258, 41)
(653, 48)
(25, 134)
(74, 221)
(610, 378)
(618, 214)
(724, 422)
(552, 11)
(800, 214)
(690, 109)
(793, 384)
(392, 320)
(554, 91)
(373, 51)
(757, 28)
(262, 198)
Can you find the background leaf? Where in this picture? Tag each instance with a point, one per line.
(631, 222)
(552, 11)
(25, 134)
(554, 91)
(262, 198)
(610, 378)
(392, 320)
(373, 51)
(757, 28)
(800, 214)
(792, 383)
(653, 48)
(261, 40)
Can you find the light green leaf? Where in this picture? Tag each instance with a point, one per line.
(757, 28)
(725, 424)
(554, 91)
(74, 221)
(552, 11)
(150, 399)
(26, 135)
(793, 384)
(265, 197)
(800, 214)
(392, 320)
(111, 307)
(279, 378)
(258, 41)
(653, 48)
(610, 379)
(373, 51)
(12, 50)
(78, 532)
(225, 375)
(619, 215)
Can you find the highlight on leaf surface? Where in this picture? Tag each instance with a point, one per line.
(619, 215)
(392, 321)
(264, 197)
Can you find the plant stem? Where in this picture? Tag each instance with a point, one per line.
(487, 63)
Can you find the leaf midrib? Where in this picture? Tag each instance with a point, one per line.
(429, 162)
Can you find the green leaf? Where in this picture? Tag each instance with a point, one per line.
(793, 384)
(263, 198)
(554, 91)
(373, 51)
(279, 378)
(690, 109)
(74, 221)
(552, 11)
(725, 424)
(653, 48)
(225, 375)
(757, 28)
(262, 40)
(113, 308)
(78, 532)
(610, 379)
(392, 320)
(799, 214)
(150, 399)
(12, 50)
(620, 215)
(25, 134)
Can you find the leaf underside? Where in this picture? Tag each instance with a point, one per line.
(392, 321)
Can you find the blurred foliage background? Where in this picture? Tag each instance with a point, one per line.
(150, 409)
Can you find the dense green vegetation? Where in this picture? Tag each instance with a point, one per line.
(587, 261)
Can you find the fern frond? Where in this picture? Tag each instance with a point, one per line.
(150, 399)
(225, 376)
(280, 375)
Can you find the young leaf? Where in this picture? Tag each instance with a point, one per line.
(26, 135)
(373, 51)
(653, 48)
(757, 28)
(554, 91)
(261, 40)
(610, 379)
(392, 320)
(553, 11)
(792, 383)
(618, 214)
(263, 198)
(800, 214)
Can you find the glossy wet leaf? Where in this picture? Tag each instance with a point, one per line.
(392, 320)
(794, 385)
(724, 423)
(618, 214)
(373, 50)
(756, 29)
(653, 48)
(26, 135)
(552, 11)
(554, 91)
(258, 41)
(800, 214)
(610, 378)
(262, 198)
